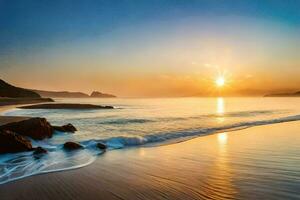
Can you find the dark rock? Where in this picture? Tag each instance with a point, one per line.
(7, 90)
(101, 146)
(36, 128)
(11, 142)
(39, 150)
(72, 146)
(101, 95)
(65, 128)
(66, 106)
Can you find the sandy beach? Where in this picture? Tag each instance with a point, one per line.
(231, 165)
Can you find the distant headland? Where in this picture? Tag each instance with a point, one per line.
(9, 91)
(295, 94)
(66, 94)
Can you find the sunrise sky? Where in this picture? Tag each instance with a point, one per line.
(151, 47)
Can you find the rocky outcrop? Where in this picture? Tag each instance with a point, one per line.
(65, 128)
(7, 90)
(72, 146)
(36, 128)
(101, 95)
(11, 142)
(66, 106)
(12, 135)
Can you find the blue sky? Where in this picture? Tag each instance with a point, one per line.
(117, 36)
(38, 22)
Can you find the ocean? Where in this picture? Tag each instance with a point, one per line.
(140, 122)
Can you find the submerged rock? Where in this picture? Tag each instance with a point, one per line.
(36, 128)
(11, 142)
(101, 146)
(39, 150)
(65, 128)
(66, 106)
(72, 146)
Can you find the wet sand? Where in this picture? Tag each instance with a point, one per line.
(9, 119)
(255, 163)
(10, 103)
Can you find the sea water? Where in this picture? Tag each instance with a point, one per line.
(139, 122)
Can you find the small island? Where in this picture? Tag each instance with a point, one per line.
(97, 94)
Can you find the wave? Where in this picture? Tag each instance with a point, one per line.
(230, 114)
(126, 121)
(248, 113)
(20, 165)
(124, 141)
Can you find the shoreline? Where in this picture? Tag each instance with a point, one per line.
(180, 170)
(9, 119)
(11, 103)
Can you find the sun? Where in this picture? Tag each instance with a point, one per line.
(220, 81)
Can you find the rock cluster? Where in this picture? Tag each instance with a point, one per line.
(14, 136)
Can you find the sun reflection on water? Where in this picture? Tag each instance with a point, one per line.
(220, 110)
(220, 105)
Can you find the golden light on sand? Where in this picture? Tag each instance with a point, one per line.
(220, 81)
(222, 138)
